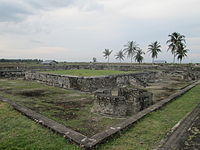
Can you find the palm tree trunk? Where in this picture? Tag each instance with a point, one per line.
(174, 59)
(108, 59)
(153, 60)
(131, 59)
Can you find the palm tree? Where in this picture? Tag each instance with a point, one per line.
(138, 57)
(130, 49)
(107, 53)
(94, 59)
(175, 40)
(120, 55)
(181, 52)
(154, 49)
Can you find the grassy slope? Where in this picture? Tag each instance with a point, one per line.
(17, 132)
(86, 72)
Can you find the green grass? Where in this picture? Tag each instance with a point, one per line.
(86, 72)
(18, 132)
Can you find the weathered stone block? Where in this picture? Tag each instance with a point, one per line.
(128, 102)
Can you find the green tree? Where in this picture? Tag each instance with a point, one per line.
(154, 48)
(138, 57)
(181, 52)
(120, 55)
(130, 49)
(174, 42)
(107, 53)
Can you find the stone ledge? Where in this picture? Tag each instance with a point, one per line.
(179, 132)
(92, 142)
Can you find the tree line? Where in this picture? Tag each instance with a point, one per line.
(20, 60)
(176, 44)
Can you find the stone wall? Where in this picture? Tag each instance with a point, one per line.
(128, 102)
(90, 84)
(11, 73)
(87, 66)
(103, 67)
(189, 72)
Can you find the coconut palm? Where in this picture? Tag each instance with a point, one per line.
(138, 57)
(175, 40)
(94, 59)
(154, 49)
(130, 49)
(181, 52)
(120, 55)
(107, 53)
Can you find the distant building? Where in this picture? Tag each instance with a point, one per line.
(160, 61)
(49, 62)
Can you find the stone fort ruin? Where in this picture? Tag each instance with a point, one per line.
(128, 102)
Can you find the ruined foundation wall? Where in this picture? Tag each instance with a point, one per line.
(110, 105)
(90, 84)
(11, 73)
(128, 102)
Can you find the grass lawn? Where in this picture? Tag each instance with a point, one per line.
(18, 132)
(87, 72)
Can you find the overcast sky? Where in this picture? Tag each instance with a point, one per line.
(78, 30)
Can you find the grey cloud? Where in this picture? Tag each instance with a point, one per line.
(36, 41)
(14, 11)
(49, 4)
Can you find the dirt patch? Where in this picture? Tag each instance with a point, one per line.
(33, 92)
(73, 104)
(161, 94)
(65, 115)
(1, 105)
(69, 105)
(93, 126)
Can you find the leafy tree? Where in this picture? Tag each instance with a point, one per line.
(120, 55)
(107, 53)
(181, 52)
(154, 48)
(138, 57)
(130, 49)
(176, 39)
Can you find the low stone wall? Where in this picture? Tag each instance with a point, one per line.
(110, 105)
(90, 84)
(11, 73)
(188, 72)
(128, 102)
